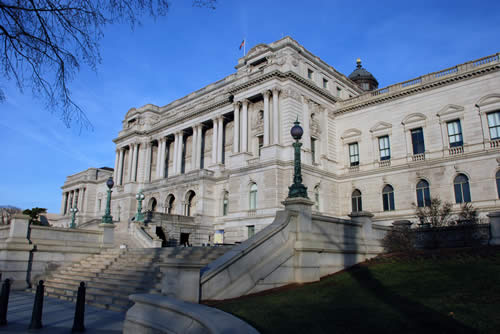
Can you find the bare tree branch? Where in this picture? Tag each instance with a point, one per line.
(45, 42)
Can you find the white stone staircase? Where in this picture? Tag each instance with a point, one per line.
(113, 275)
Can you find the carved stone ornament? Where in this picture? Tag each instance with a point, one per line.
(258, 120)
(315, 125)
(290, 93)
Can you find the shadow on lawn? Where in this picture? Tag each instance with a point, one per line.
(417, 317)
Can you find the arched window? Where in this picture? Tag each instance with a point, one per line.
(316, 198)
(152, 204)
(170, 204)
(498, 183)
(423, 194)
(189, 202)
(357, 204)
(253, 196)
(388, 197)
(225, 203)
(462, 189)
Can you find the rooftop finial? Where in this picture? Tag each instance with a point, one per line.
(358, 62)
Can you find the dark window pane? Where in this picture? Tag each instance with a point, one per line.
(466, 192)
(427, 197)
(458, 193)
(417, 138)
(420, 198)
(498, 184)
(386, 202)
(360, 204)
(391, 200)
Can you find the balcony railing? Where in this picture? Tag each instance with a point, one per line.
(384, 163)
(418, 157)
(353, 169)
(495, 143)
(456, 150)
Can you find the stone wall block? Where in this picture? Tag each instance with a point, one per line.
(494, 227)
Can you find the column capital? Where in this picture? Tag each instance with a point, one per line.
(236, 104)
(266, 93)
(276, 90)
(306, 99)
(245, 102)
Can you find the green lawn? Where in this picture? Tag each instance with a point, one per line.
(444, 292)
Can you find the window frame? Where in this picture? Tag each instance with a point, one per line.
(459, 143)
(497, 179)
(310, 74)
(225, 203)
(356, 201)
(356, 155)
(462, 190)
(416, 145)
(253, 196)
(325, 83)
(250, 228)
(423, 193)
(388, 202)
(385, 149)
(495, 127)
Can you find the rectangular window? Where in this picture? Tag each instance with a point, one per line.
(310, 73)
(354, 154)
(417, 139)
(251, 230)
(313, 149)
(455, 133)
(261, 143)
(388, 199)
(494, 125)
(384, 148)
(339, 90)
(325, 83)
(99, 205)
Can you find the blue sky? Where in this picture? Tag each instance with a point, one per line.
(166, 59)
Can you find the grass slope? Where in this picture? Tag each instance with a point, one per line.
(453, 291)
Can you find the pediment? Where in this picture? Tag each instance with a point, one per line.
(258, 49)
(450, 109)
(488, 99)
(350, 133)
(381, 126)
(413, 118)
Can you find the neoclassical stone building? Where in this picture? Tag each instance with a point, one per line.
(223, 153)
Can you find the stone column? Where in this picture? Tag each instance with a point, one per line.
(494, 227)
(179, 158)
(236, 128)
(158, 158)
(162, 156)
(194, 147)
(266, 95)
(276, 116)
(306, 116)
(117, 160)
(214, 141)
(135, 157)
(199, 138)
(220, 144)
(120, 168)
(174, 156)
(244, 126)
(130, 161)
(62, 203)
(147, 163)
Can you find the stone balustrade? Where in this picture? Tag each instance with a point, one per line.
(423, 80)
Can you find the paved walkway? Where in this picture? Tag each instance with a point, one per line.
(57, 317)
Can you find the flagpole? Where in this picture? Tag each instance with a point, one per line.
(244, 47)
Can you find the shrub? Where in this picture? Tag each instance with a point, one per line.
(399, 240)
(436, 214)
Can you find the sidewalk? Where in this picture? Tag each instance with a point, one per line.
(57, 317)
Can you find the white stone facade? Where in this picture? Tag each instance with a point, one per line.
(224, 154)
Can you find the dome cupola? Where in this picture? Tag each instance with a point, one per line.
(364, 79)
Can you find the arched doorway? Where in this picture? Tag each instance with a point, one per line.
(190, 203)
(152, 204)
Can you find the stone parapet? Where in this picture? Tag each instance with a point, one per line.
(159, 314)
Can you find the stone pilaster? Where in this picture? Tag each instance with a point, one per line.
(180, 157)
(176, 152)
(117, 161)
(214, 141)
(130, 161)
(220, 143)
(236, 128)
(120, 168)
(199, 139)
(135, 157)
(276, 116)
(244, 126)
(147, 163)
(194, 147)
(266, 95)
(306, 115)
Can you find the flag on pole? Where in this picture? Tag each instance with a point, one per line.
(242, 44)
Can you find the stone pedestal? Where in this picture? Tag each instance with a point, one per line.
(306, 263)
(364, 218)
(181, 280)
(494, 228)
(108, 234)
(19, 229)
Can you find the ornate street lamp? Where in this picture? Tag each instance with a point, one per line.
(297, 189)
(139, 216)
(107, 218)
(73, 213)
